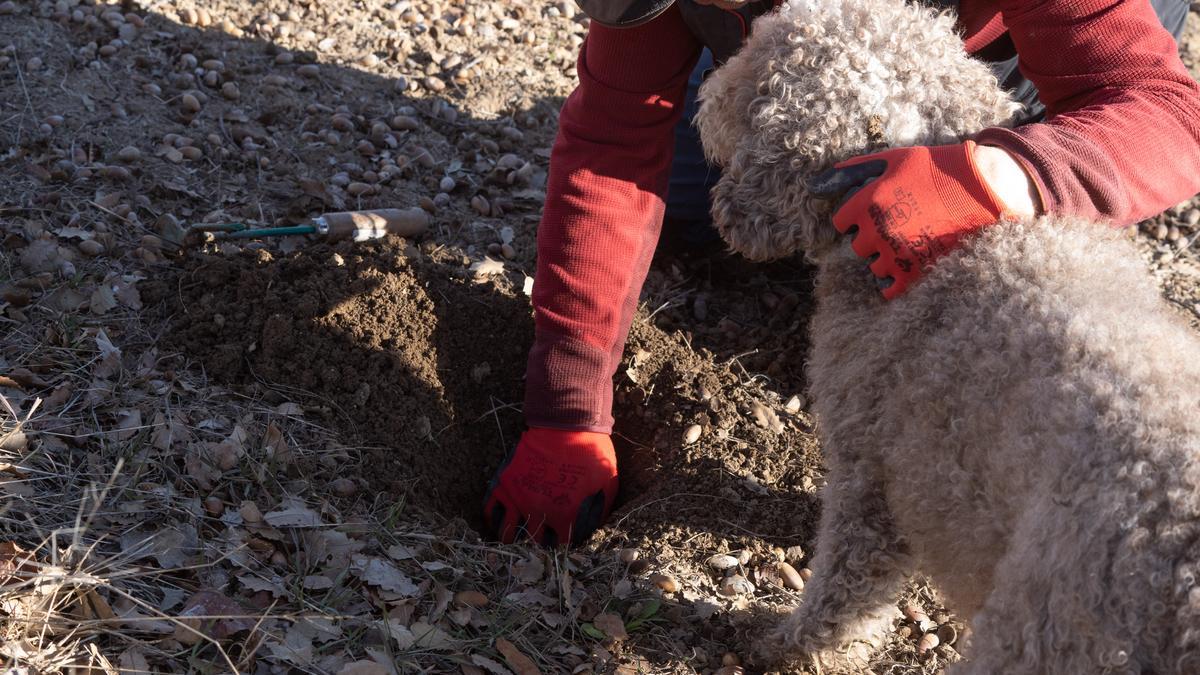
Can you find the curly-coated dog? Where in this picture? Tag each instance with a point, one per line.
(1022, 426)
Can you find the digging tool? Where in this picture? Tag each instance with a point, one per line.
(354, 225)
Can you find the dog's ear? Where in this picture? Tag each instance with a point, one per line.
(723, 117)
(763, 210)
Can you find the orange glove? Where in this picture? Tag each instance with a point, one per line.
(556, 487)
(907, 207)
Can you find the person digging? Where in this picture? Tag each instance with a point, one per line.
(1110, 131)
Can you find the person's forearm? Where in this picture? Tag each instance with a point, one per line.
(604, 205)
(1122, 136)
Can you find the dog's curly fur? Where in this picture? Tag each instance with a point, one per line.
(1022, 426)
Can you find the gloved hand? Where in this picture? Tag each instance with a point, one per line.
(557, 487)
(910, 206)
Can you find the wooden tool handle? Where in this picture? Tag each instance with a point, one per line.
(364, 225)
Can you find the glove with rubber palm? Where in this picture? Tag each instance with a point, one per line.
(556, 487)
(907, 207)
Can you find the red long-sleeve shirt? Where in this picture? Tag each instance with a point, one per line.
(1121, 141)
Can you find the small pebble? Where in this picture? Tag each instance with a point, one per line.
(791, 578)
(730, 659)
(189, 103)
(508, 251)
(805, 574)
(115, 173)
(928, 641)
(250, 512)
(1160, 231)
(433, 83)
(471, 599)
(722, 561)
(447, 184)
(1192, 217)
(404, 123)
(309, 70)
(793, 405)
(1172, 233)
(692, 434)
(665, 582)
(284, 58)
(230, 91)
(91, 248)
(628, 555)
(214, 506)
(343, 487)
(129, 153)
(736, 585)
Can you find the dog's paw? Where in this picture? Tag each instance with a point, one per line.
(796, 641)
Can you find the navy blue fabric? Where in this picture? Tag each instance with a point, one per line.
(692, 177)
(687, 214)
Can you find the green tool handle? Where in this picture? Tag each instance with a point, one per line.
(271, 232)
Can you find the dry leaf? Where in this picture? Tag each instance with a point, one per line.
(521, 664)
(400, 552)
(199, 466)
(102, 300)
(253, 582)
(489, 665)
(129, 422)
(276, 445)
(41, 255)
(133, 662)
(317, 582)
(289, 409)
(529, 569)
(210, 614)
(73, 233)
(487, 267)
(171, 546)
(612, 626)
(126, 292)
(381, 573)
(363, 668)
(294, 514)
(420, 636)
(296, 648)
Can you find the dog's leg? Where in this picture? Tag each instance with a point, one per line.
(860, 565)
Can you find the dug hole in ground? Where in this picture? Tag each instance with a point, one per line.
(271, 457)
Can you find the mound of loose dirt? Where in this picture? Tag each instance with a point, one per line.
(406, 355)
(411, 357)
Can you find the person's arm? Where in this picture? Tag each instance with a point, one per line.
(1122, 136)
(604, 205)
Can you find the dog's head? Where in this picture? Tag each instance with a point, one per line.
(820, 81)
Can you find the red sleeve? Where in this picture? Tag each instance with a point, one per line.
(604, 205)
(1121, 139)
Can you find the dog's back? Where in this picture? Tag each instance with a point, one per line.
(1034, 405)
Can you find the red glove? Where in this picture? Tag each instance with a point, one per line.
(556, 487)
(909, 206)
